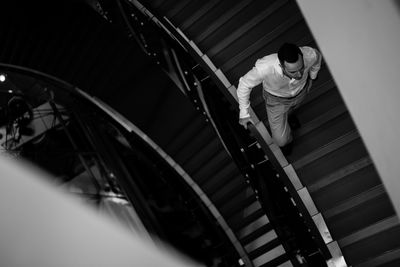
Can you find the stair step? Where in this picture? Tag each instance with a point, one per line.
(325, 150)
(389, 258)
(260, 231)
(157, 3)
(358, 245)
(247, 221)
(259, 242)
(324, 134)
(355, 201)
(320, 104)
(267, 11)
(340, 174)
(252, 208)
(198, 141)
(344, 184)
(213, 165)
(228, 191)
(202, 156)
(358, 213)
(321, 86)
(237, 204)
(198, 14)
(270, 257)
(213, 182)
(185, 135)
(190, 9)
(171, 8)
(244, 21)
(329, 158)
(262, 249)
(319, 121)
(252, 226)
(219, 19)
(283, 261)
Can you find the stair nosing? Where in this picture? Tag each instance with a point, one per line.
(326, 149)
(222, 20)
(320, 120)
(340, 174)
(216, 49)
(369, 231)
(237, 189)
(197, 156)
(230, 167)
(177, 9)
(198, 14)
(355, 201)
(385, 257)
(248, 238)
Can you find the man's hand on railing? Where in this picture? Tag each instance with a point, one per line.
(245, 121)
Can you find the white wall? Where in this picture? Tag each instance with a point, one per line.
(360, 40)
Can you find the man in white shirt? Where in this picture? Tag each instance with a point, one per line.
(286, 78)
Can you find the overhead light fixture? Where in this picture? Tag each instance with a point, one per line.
(2, 77)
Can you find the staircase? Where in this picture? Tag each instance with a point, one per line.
(329, 156)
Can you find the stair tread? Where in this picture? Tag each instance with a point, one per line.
(320, 120)
(229, 191)
(258, 232)
(369, 231)
(328, 148)
(217, 179)
(214, 164)
(355, 201)
(222, 19)
(254, 20)
(202, 156)
(236, 205)
(327, 132)
(389, 258)
(359, 214)
(202, 11)
(340, 174)
(363, 243)
(343, 187)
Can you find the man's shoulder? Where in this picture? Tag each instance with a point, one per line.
(267, 61)
(308, 52)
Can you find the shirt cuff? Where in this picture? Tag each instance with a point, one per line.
(244, 113)
(313, 75)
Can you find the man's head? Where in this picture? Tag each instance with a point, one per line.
(291, 60)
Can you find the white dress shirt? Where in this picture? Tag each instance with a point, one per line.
(268, 72)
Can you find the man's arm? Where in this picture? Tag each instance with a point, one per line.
(316, 66)
(246, 84)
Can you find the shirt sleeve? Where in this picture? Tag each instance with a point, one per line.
(316, 66)
(246, 84)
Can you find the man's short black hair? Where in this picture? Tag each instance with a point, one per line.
(289, 52)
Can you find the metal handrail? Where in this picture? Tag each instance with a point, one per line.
(291, 189)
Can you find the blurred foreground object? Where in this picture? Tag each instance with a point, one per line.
(43, 226)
